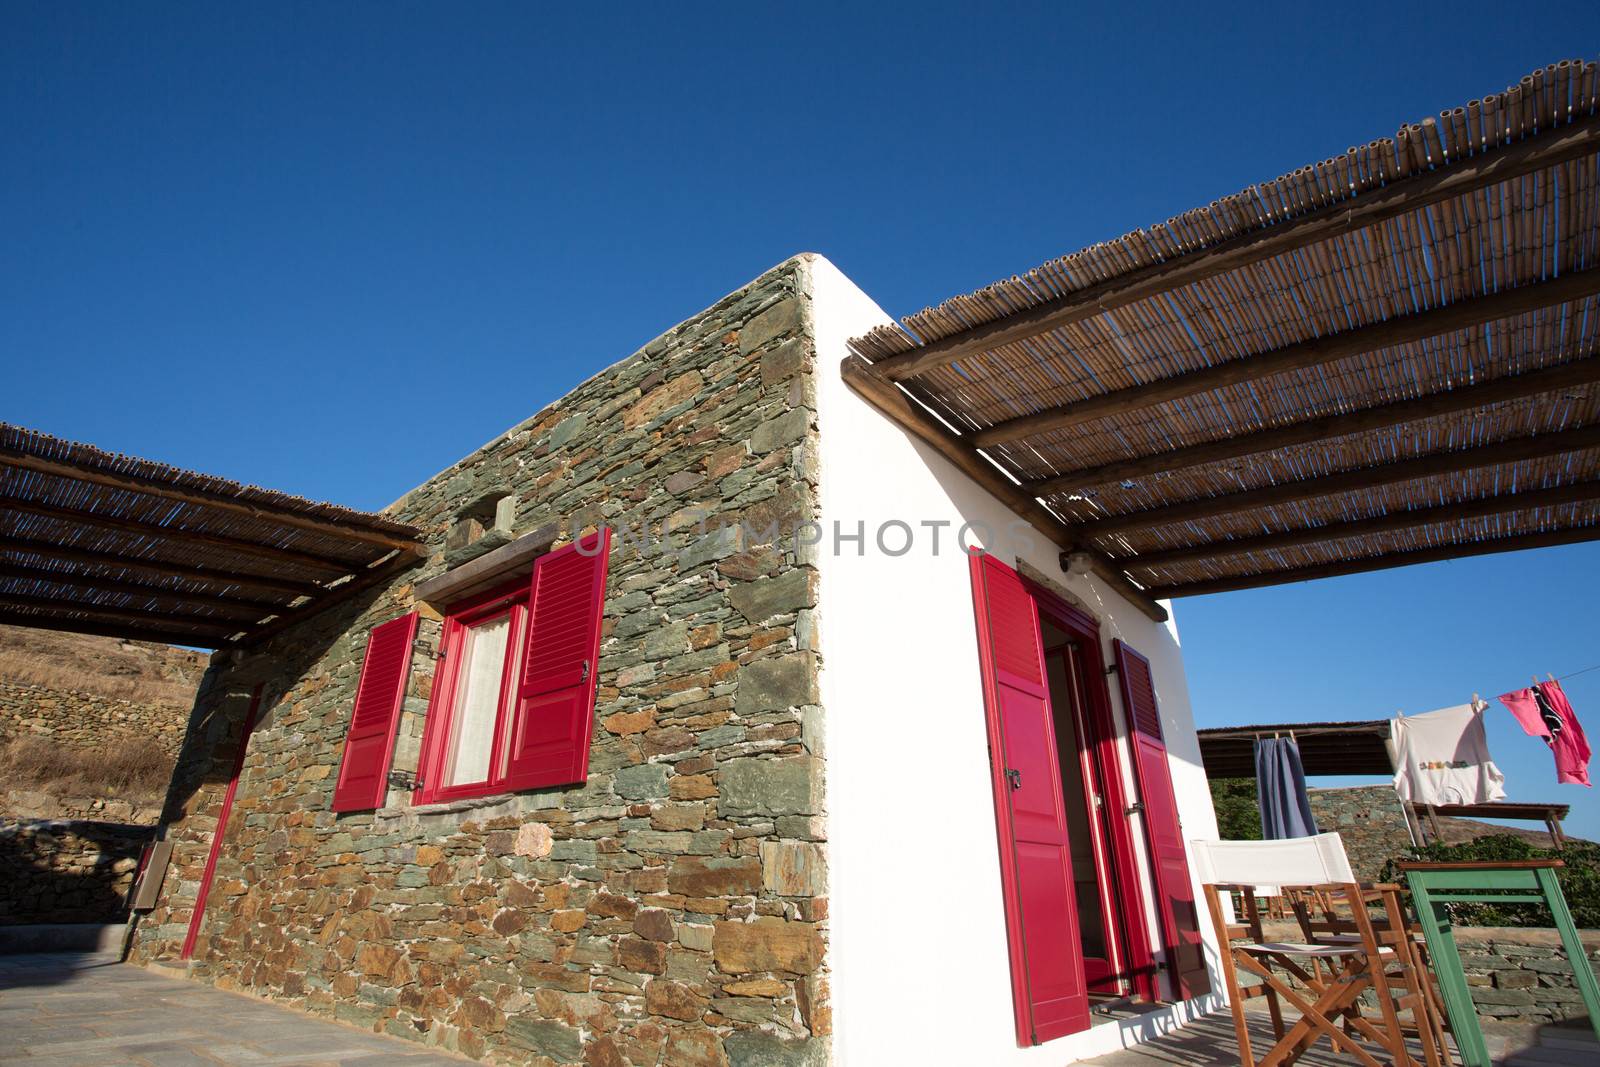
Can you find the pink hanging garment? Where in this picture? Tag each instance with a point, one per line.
(1570, 746)
(1545, 712)
(1522, 704)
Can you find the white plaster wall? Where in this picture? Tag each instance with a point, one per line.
(918, 941)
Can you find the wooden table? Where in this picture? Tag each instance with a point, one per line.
(1436, 885)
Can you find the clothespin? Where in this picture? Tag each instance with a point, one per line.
(1551, 677)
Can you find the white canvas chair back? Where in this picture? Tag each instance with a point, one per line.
(1315, 860)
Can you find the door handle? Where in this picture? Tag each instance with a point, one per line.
(1136, 808)
(1014, 777)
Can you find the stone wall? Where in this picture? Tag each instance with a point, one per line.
(1522, 975)
(85, 720)
(1369, 819)
(66, 871)
(672, 909)
(35, 804)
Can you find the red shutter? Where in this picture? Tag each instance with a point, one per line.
(364, 770)
(554, 713)
(1180, 922)
(1047, 981)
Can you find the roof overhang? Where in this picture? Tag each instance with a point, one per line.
(1326, 748)
(1386, 358)
(99, 543)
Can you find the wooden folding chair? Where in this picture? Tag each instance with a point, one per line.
(1322, 921)
(1321, 981)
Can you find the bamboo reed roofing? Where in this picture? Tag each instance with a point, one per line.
(96, 542)
(1386, 357)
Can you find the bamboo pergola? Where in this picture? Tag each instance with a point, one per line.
(98, 543)
(1385, 358)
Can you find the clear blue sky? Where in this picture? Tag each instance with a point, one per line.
(333, 248)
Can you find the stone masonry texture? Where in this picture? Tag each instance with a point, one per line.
(67, 871)
(671, 910)
(85, 720)
(1368, 819)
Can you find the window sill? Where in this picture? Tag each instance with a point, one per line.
(445, 807)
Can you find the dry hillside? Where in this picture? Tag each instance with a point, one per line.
(103, 666)
(89, 726)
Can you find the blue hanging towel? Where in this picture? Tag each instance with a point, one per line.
(1281, 789)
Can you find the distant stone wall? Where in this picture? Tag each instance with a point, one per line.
(34, 804)
(1370, 820)
(84, 720)
(1522, 975)
(67, 871)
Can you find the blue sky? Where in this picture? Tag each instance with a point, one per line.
(333, 248)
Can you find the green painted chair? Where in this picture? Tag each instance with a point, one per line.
(1436, 885)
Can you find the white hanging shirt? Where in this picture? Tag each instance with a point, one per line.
(1442, 757)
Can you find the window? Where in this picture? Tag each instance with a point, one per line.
(477, 648)
(513, 696)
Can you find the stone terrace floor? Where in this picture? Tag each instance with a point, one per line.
(61, 1010)
(77, 1010)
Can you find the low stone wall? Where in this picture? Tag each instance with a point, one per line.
(84, 720)
(1522, 975)
(67, 871)
(34, 804)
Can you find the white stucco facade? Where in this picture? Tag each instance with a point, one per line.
(918, 944)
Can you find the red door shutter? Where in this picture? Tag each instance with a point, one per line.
(554, 713)
(1180, 921)
(365, 768)
(1047, 980)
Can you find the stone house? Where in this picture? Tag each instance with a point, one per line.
(701, 739)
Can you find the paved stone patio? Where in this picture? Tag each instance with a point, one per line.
(87, 1010)
(61, 1010)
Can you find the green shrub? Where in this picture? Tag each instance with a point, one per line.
(1238, 814)
(1580, 879)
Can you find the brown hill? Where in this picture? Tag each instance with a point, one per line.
(103, 666)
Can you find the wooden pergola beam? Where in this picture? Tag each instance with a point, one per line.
(1515, 450)
(1497, 390)
(350, 530)
(1515, 543)
(183, 621)
(900, 409)
(177, 534)
(133, 588)
(1317, 352)
(1555, 496)
(98, 629)
(194, 572)
(1388, 201)
(380, 573)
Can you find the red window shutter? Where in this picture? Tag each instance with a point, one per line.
(1049, 992)
(364, 771)
(554, 713)
(1180, 920)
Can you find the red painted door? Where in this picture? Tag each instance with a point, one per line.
(1048, 983)
(1169, 861)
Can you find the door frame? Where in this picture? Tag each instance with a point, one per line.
(1126, 855)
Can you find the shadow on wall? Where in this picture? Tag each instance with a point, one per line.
(211, 742)
(59, 871)
(211, 748)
